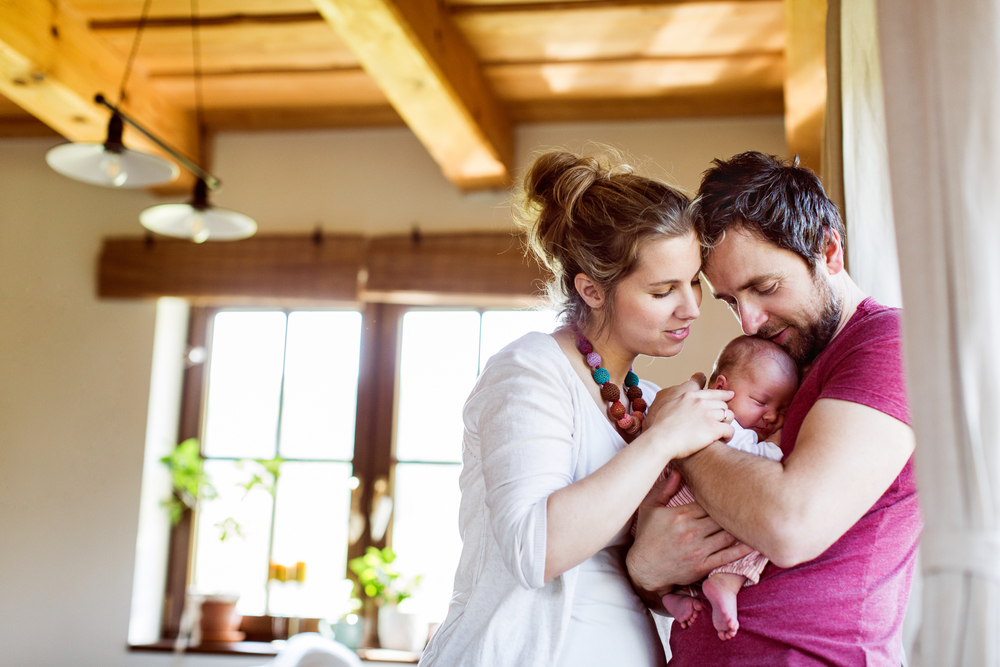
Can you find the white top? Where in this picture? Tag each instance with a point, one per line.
(745, 440)
(531, 428)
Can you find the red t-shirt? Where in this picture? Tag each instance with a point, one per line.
(845, 607)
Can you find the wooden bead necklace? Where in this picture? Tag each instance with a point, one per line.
(628, 421)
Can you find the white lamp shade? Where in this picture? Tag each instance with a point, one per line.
(187, 222)
(92, 163)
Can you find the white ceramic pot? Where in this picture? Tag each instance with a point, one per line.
(401, 631)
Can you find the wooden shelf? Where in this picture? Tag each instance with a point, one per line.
(270, 649)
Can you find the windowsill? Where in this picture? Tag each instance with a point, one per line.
(269, 649)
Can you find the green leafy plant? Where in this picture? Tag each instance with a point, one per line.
(379, 579)
(192, 485)
(272, 470)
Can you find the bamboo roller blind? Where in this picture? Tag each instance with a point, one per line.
(406, 268)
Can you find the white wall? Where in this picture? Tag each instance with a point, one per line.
(76, 370)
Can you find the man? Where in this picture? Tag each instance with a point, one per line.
(838, 516)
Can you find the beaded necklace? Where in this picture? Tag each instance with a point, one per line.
(628, 422)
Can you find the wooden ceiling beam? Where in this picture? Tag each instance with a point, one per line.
(236, 46)
(622, 80)
(805, 80)
(298, 118)
(422, 63)
(681, 104)
(52, 66)
(287, 89)
(184, 21)
(490, 6)
(109, 10)
(594, 31)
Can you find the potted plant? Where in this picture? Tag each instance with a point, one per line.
(191, 488)
(381, 583)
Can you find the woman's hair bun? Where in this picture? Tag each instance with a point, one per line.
(553, 187)
(560, 178)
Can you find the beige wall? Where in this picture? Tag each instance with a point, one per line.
(73, 403)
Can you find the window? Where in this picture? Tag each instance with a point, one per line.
(280, 385)
(365, 410)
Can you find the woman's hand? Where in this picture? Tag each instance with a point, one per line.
(690, 417)
(675, 546)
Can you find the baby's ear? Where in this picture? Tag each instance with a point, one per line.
(720, 383)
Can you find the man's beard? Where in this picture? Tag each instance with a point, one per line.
(810, 337)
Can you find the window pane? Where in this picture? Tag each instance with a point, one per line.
(310, 526)
(438, 367)
(321, 385)
(425, 532)
(237, 565)
(501, 327)
(244, 385)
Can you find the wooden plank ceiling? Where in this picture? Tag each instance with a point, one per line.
(462, 73)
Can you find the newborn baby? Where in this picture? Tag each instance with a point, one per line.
(764, 379)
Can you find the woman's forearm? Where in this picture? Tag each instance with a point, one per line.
(583, 517)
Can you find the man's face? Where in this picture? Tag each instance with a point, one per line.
(774, 294)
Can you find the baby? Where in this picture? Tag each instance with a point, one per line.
(764, 379)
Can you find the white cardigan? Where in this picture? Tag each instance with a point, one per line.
(531, 428)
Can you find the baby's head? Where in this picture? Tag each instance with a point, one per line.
(764, 379)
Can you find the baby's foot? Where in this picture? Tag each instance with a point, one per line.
(723, 601)
(683, 608)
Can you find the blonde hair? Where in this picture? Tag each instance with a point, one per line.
(592, 215)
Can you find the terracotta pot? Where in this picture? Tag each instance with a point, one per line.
(219, 620)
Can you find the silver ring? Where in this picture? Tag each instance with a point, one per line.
(725, 411)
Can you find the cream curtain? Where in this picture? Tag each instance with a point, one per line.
(941, 67)
(871, 238)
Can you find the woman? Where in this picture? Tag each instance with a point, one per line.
(548, 484)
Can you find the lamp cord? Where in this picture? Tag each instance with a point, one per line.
(196, 56)
(134, 51)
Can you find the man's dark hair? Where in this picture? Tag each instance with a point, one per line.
(777, 201)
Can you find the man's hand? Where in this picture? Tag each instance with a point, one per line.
(675, 545)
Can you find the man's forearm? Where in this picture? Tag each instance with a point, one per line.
(743, 493)
(651, 596)
(846, 455)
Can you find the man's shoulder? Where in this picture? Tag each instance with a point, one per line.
(865, 363)
(873, 328)
(873, 320)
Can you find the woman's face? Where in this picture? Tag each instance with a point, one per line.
(657, 303)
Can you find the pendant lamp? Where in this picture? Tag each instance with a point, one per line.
(198, 220)
(111, 164)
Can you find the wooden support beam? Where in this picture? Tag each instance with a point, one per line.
(262, 118)
(262, 267)
(680, 104)
(805, 80)
(51, 65)
(431, 76)
(464, 268)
